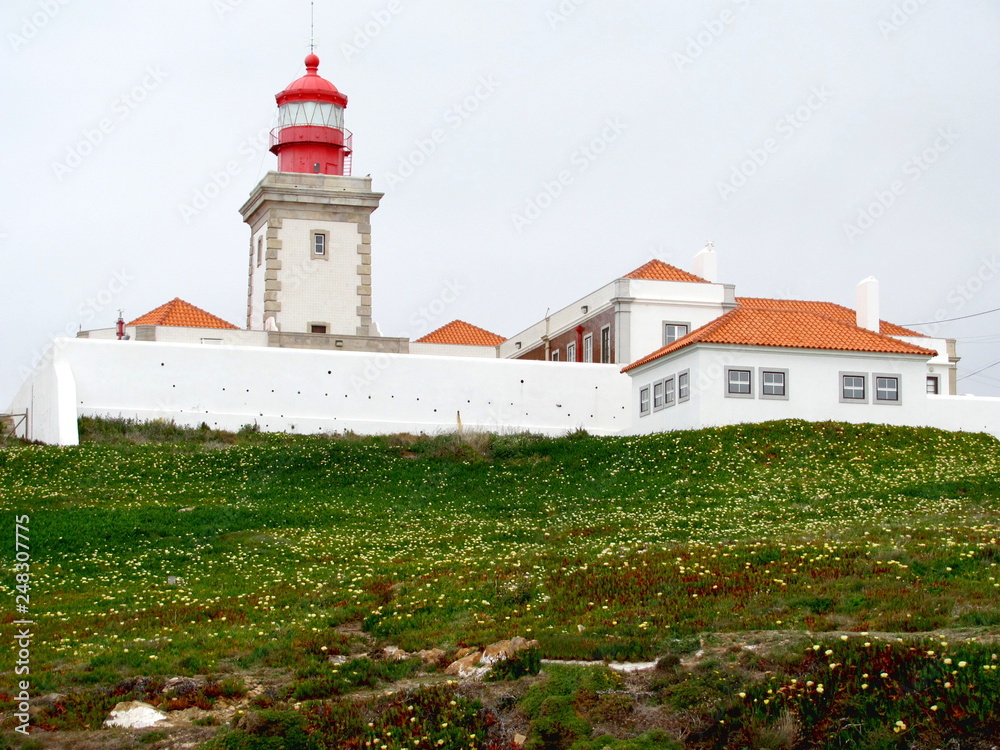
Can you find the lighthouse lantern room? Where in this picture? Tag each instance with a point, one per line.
(310, 137)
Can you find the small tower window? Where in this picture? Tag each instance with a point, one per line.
(260, 250)
(319, 244)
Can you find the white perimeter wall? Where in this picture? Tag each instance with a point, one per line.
(813, 387)
(316, 391)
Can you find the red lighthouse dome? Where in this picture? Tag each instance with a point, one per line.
(310, 137)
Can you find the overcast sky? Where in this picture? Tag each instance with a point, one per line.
(529, 152)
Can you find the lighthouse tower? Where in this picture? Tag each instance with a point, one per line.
(310, 223)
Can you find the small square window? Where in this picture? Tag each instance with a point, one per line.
(670, 391)
(683, 386)
(853, 388)
(317, 328)
(773, 383)
(673, 331)
(933, 384)
(739, 383)
(886, 388)
(644, 401)
(657, 396)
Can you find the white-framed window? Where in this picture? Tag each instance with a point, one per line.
(773, 383)
(658, 396)
(571, 352)
(319, 328)
(886, 388)
(606, 345)
(853, 388)
(672, 330)
(683, 386)
(739, 382)
(670, 391)
(260, 251)
(555, 355)
(588, 348)
(644, 401)
(319, 243)
(933, 384)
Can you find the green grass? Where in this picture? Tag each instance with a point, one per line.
(607, 548)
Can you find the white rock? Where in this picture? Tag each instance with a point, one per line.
(134, 715)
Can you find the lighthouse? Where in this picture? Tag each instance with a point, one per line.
(310, 256)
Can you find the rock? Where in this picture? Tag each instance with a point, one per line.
(466, 667)
(519, 740)
(462, 652)
(49, 699)
(134, 715)
(180, 686)
(393, 653)
(505, 649)
(431, 656)
(337, 659)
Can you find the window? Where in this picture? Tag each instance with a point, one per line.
(886, 388)
(773, 383)
(739, 383)
(555, 355)
(644, 401)
(588, 348)
(683, 386)
(571, 352)
(317, 328)
(319, 244)
(606, 345)
(933, 384)
(670, 391)
(260, 250)
(853, 388)
(673, 331)
(657, 396)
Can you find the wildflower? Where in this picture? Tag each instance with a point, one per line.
(962, 664)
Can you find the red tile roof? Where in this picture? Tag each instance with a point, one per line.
(796, 329)
(465, 334)
(657, 270)
(182, 314)
(829, 309)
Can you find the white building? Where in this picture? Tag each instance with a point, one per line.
(657, 349)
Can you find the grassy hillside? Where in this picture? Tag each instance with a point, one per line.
(204, 552)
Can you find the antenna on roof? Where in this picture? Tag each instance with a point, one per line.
(312, 27)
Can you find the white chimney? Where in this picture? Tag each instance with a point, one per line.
(868, 315)
(706, 264)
